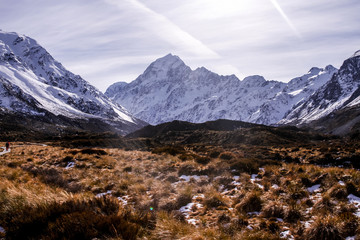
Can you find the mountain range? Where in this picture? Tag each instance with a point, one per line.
(170, 90)
(37, 92)
(34, 85)
(340, 92)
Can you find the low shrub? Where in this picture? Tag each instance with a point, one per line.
(93, 151)
(127, 169)
(250, 203)
(295, 192)
(68, 159)
(259, 235)
(214, 154)
(186, 157)
(214, 200)
(292, 214)
(349, 224)
(182, 200)
(172, 178)
(226, 182)
(172, 150)
(345, 208)
(223, 218)
(227, 156)
(187, 169)
(339, 192)
(324, 205)
(245, 165)
(306, 182)
(178, 215)
(53, 177)
(74, 219)
(202, 160)
(324, 228)
(273, 226)
(240, 222)
(273, 209)
(351, 188)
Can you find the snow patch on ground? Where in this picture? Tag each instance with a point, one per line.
(195, 177)
(356, 201)
(200, 196)
(193, 221)
(70, 165)
(124, 199)
(253, 213)
(307, 224)
(286, 234)
(315, 188)
(253, 177)
(189, 208)
(351, 238)
(103, 194)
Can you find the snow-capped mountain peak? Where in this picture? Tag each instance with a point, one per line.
(169, 90)
(164, 67)
(337, 93)
(253, 81)
(330, 68)
(314, 71)
(42, 81)
(356, 54)
(168, 61)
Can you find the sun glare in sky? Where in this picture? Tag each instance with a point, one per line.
(107, 41)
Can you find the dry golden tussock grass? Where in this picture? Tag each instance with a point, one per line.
(238, 194)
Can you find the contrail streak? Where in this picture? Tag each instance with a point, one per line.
(169, 31)
(285, 17)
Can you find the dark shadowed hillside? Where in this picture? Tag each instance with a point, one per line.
(342, 122)
(223, 132)
(181, 126)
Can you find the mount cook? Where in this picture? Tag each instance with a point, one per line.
(169, 90)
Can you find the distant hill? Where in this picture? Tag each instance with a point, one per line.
(181, 126)
(223, 132)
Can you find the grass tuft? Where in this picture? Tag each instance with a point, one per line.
(250, 203)
(324, 228)
(75, 219)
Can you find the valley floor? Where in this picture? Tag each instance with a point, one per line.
(180, 192)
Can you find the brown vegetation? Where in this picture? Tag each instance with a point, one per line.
(179, 192)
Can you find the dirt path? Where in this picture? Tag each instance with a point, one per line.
(20, 145)
(4, 152)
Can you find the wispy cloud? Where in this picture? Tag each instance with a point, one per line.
(115, 40)
(168, 31)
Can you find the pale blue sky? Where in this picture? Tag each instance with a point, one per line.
(107, 41)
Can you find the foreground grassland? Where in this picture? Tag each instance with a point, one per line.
(180, 192)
